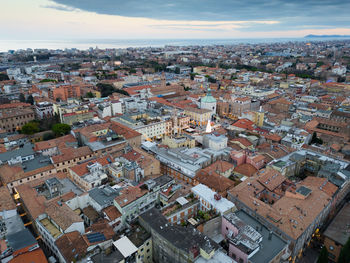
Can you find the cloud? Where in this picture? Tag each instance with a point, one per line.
(294, 12)
(60, 7)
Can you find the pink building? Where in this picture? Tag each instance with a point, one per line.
(250, 241)
(238, 157)
(257, 160)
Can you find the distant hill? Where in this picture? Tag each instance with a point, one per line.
(327, 36)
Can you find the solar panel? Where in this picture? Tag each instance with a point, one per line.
(96, 237)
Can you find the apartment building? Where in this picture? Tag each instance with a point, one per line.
(13, 116)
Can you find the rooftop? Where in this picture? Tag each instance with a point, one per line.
(339, 229)
(222, 205)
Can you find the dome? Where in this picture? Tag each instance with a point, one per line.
(208, 98)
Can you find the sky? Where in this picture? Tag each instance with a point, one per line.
(145, 19)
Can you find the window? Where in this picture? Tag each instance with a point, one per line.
(147, 250)
(331, 248)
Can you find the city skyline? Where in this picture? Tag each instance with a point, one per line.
(62, 19)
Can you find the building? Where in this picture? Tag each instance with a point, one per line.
(250, 241)
(210, 200)
(101, 138)
(53, 147)
(134, 200)
(198, 116)
(13, 116)
(91, 173)
(337, 233)
(292, 210)
(178, 141)
(68, 157)
(208, 102)
(184, 163)
(24, 248)
(44, 110)
(215, 141)
(177, 244)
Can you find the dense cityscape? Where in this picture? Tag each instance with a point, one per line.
(218, 153)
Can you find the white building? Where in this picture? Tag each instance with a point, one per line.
(208, 102)
(215, 142)
(209, 200)
(44, 110)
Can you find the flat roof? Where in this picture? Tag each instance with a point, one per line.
(206, 193)
(339, 229)
(269, 248)
(125, 246)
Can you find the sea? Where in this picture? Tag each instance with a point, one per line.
(84, 44)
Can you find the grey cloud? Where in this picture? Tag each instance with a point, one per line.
(291, 14)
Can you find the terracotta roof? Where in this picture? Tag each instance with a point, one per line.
(129, 195)
(280, 101)
(244, 124)
(6, 201)
(272, 137)
(35, 256)
(270, 178)
(219, 166)
(71, 245)
(242, 141)
(82, 169)
(63, 216)
(245, 169)
(68, 154)
(60, 142)
(15, 105)
(125, 131)
(102, 227)
(214, 180)
(290, 213)
(112, 212)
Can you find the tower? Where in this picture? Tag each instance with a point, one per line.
(163, 80)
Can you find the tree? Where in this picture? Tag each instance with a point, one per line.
(48, 136)
(22, 98)
(30, 128)
(344, 256)
(106, 89)
(315, 139)
(3, 77)
(323, 257)
(61, 129)
(177, 70)
(90, 95)
(30, 99)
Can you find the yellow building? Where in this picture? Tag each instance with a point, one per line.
(179, 141)
(255, 116)
(198, 116)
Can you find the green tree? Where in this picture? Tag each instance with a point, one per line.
(61, 129)
(177, 70)
(106, 89)
(48, 136)
(3, 77)
(30, 128)
(206, 216)
(344, 256)
(90, 95)
(30, 99)
(122, 92)
(323, 257)
(22, 98)
(315, 139)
